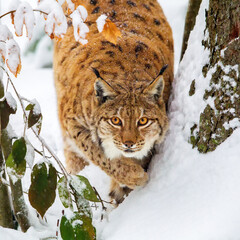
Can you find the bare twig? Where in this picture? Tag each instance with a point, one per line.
(103, 207)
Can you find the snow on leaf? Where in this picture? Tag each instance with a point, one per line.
(13, 59)
(80, 28)
(84, 188)
(5, 33)
(71, 6)
(24, 15)
(101, 22)
(77, 227)
(7, 106)
(109, 30)
(30, 155)
(64, 193)
(11, 101)
(35, 115)
(56, 22)
(12, 7)
(83, 12)
(3, 50)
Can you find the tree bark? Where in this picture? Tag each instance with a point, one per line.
(19, 205)
(223, 27)
(192, 12)
(6, 219)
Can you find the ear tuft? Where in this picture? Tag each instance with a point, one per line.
(155, 88)
(96, 72)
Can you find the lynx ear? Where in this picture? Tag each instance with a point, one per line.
(103, 89)
(155, 88)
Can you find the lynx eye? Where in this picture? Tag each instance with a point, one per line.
(116, 121)
(143, 121)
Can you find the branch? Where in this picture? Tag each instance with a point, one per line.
(13, 11)
(34, 10)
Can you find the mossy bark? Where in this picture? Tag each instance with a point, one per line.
(6, 219)
(192, 12)
(216, 125)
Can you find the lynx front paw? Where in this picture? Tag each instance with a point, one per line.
(130, 173)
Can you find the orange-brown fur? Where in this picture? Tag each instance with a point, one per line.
(129, 66)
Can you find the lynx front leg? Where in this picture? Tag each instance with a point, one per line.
(118, 193)
(124, 171)
(74, 163)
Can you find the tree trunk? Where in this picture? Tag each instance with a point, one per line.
(223, 27)
(6, 219)
(192, 12)
(19, 205)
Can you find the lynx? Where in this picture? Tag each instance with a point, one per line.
(112, 97)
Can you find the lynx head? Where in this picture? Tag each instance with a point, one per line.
(129, 123)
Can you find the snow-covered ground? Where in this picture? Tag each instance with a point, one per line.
(190, 196)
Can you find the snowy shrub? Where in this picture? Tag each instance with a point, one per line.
(75, 192)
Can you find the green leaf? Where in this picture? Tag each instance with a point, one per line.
(39, 125)
(35, 116)
(77, 227)
(63, 192)
(19, 150)
(13, 169)
(29, 107)
(42, 191)
(66, 229)
(84, 188)
(85, 231)
(7, 107)
(16, 163)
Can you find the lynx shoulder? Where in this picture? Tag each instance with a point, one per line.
(111, 98)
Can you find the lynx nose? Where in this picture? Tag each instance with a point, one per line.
(129, 144)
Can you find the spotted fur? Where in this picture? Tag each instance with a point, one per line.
(101, 80)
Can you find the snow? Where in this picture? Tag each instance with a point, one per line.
(190, 196)
(101, 22)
